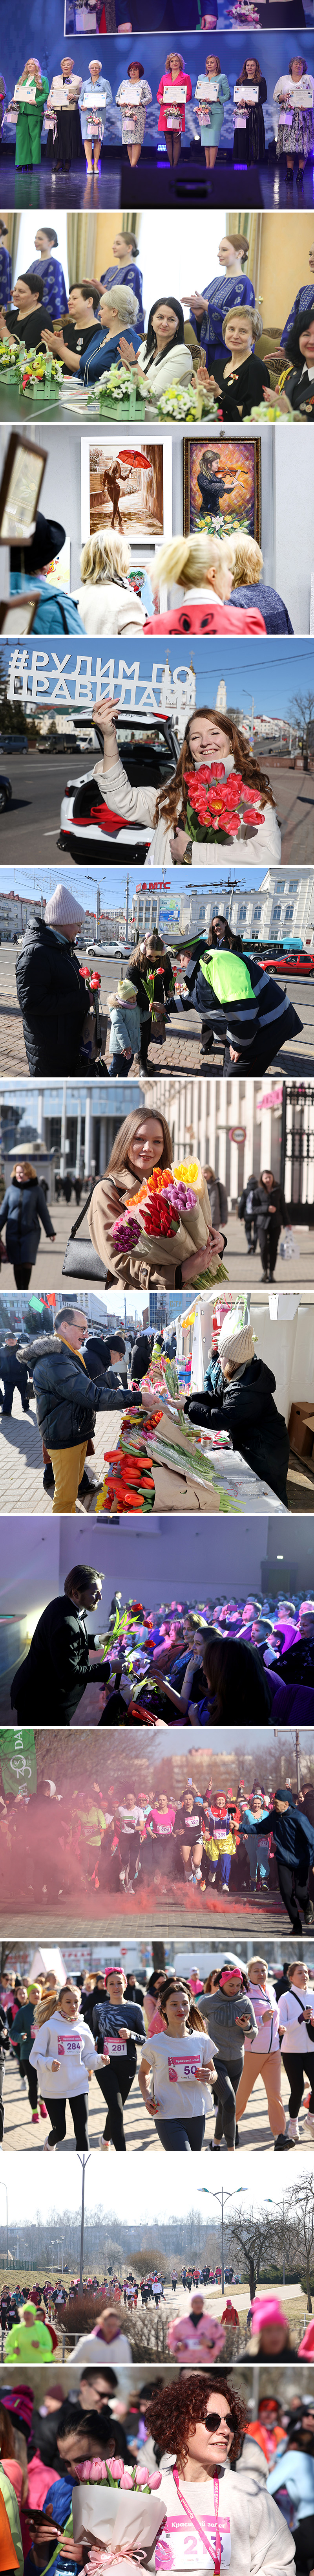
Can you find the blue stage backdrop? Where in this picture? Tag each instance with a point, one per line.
(45, 38)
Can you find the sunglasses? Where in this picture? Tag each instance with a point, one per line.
(213, 2422)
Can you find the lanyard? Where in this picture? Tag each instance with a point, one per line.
(198, 2526)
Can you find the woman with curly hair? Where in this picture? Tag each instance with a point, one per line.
(211, 2522)
(207, 738)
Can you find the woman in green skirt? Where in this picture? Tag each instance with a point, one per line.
(30, 115)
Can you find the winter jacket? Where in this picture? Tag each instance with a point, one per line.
(125, 1027)
(246, 1409)
(53, 999)
(23, 1211)
(23, 2029)
(12, 1369)
(67, 1399)
(55, 1673)
(72, 2044)
(293, 1838)
(252, 1018)
(274, 1197)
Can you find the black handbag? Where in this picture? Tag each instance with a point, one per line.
(80, 1259)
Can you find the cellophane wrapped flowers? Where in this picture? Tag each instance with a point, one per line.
(171, 1207)
(216, 805)
(118, 2473)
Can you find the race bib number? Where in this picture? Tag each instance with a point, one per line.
(181, 2067)
(116, 2047)
(69, 2047)
(181, 2545)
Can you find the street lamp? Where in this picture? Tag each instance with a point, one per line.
(83, 2160)
(219, 2195)
(273, 2204)
(3, 2187)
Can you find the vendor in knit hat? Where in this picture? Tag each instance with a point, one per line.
(51, 988)
(239, 1391)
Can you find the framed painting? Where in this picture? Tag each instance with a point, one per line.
(222, 485)
(127, 488)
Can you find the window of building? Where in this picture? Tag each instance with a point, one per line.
(289, 912)
(257, 914)
(242, 912)
(277, 912)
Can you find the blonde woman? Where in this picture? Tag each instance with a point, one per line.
(107, 603)
(30, 115)
(24, 1209)
(202, 567)
(64, 2054)
(239, 380)
(247, 571)
(262, 2050)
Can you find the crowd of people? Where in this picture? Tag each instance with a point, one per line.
(71, 115)
(211, 2037)
(208, 341)
(219, 2467)
(239, 1004)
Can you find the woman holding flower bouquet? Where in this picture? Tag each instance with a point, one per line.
(219, 795)
(150, 970)
(142, 1148)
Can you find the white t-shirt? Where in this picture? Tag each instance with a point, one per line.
(172, 2062)
(297, 2039)
(254, 2537)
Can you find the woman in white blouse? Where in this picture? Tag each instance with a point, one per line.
(163, 358)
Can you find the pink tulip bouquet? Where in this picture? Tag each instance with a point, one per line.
(116, 2473)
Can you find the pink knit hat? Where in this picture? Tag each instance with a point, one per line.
(307, 2345)
(266, 2312)
(62, 909)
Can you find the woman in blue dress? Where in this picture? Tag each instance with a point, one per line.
(124, 269)
(50, 270)
(93, 118)
(303, 301)
(207, 311)
(211, 113)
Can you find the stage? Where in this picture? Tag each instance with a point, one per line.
(153, 183)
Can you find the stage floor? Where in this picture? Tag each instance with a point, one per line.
(153, 183)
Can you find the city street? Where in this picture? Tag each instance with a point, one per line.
(21, 2132)
(180, 1051)
(298, 1272)
(21, 1471)
(39, 780)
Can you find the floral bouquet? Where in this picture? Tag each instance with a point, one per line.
(119, 386)
(217, 805)
(169, 1214)
(125, 2515)
(39, 374)
(118, 2473)
(188, 402)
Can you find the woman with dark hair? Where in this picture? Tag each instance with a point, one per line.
(295, 390)
(295, 94)
(248, 1010)
(134, 110)
(150, 959)
(24, 1209)
(232, 1673)
(249, 142)
(210, 112)
(163, 358)
(207, 738)
(172, 110)
(125, 271)
(200, 2420)
(27, 317)
(140, 1144)
(271, 1216)
(248, 1206)
(207, 310)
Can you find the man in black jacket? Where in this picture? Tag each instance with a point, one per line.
(51, 989)
(13, 1372)
(67, 1400)
(51, 1681)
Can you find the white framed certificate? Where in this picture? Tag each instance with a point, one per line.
(246, 90)
(130, 93)
(174, 94)
(95, 98)
(208, 89)
(25, 93)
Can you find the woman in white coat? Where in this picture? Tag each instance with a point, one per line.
(214, 2520)
(207, 738)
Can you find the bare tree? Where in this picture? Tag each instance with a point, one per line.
(250, 2236)
(301, 712)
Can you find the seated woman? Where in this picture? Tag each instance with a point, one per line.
(92, 117)
(76, 334)
(211, 113)
(249, 141)
(198, 2424)
(172, 111)
(134, 110)
(207, 738)
(163, 358)
(302, 305)
(247, 1009)
(107, 602)
(27, 317)
(239, 1394)
(239, 382)
(140, 1144)
(201, 566)
(247, 568)
(115, 312)
(295, 135)
(295, 391)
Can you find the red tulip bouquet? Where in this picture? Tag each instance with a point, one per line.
(217, 806)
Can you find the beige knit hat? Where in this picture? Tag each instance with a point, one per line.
(62, 909)
(236, 1340)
